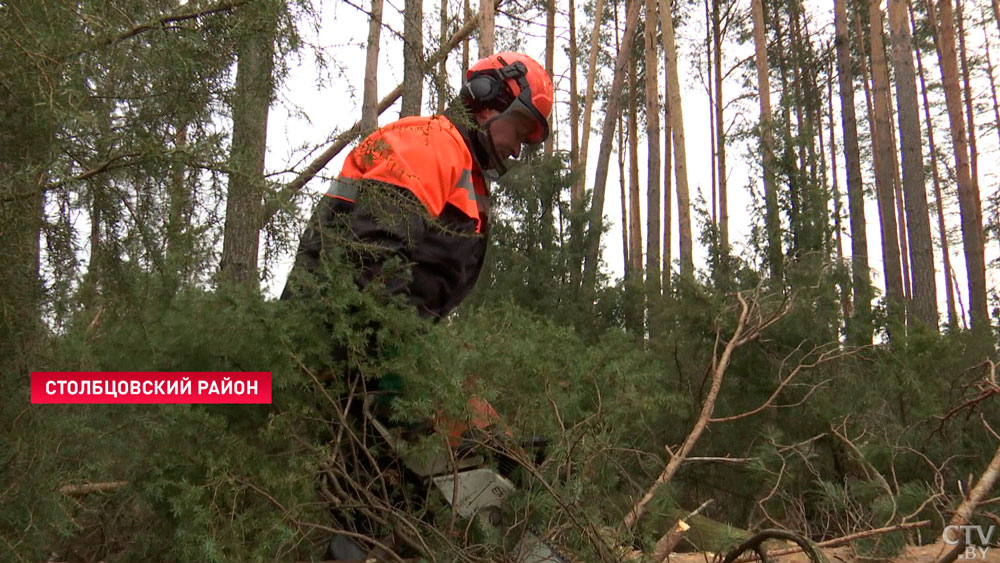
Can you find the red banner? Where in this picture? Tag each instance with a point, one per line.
(151, 387)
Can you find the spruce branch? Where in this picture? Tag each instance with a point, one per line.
(190, 14)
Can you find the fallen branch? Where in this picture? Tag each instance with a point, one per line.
(963, 515)
(675, 534)
(272, 205)
(88, 488)
(843, 540)
(743, 334)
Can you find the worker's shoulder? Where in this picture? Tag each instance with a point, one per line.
(418, 129)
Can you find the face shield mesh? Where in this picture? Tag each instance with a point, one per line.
(533, 127)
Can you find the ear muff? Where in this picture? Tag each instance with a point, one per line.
(481, 88)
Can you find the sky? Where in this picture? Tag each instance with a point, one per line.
(316, 103)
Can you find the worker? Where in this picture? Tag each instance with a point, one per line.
(410, 208)
(416, 190)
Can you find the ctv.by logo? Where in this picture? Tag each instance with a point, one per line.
(976, 539)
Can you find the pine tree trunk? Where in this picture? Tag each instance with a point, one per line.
(710, 126)
(967, 93)
(720, 131)
(653, 158)
(901, 229)
(623, 184)
(838, 211)
(251, 103)
(772, 223)
(635, 215)
(413, 57)
(467, 10)
(591, 257)
(550, 48)
(588, 102)
(970, 207)
(369, 98)
(882, 148)
(996, 12)
(932, 147)
(487, 28)
(668, 161)
(993, 86)
(442, 71)
(623, 178)
(574, 98)
(924, 295)
(860, 323)
(677, 130)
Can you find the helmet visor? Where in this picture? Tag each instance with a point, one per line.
(531, 125)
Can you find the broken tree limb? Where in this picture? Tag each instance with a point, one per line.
(855, 536)
(745, 331)
(756, 544)
(963, 515)
(345, 138)
(675, 534)
(89, 488)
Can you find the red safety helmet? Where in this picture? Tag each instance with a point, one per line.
(512, 83)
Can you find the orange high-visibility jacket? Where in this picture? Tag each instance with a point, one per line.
(413, 191)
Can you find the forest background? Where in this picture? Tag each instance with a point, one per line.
(150, 204)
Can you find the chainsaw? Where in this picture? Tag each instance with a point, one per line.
(467, 483)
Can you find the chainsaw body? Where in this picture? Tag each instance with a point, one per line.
(472, 489)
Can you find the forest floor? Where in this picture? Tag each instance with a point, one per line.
(913, 554)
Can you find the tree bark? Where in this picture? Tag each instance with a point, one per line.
(588, 102)
(970, 115)
(924, 293)
(772, 222)
(838, 212)
(969, 204)
(574, 98)
(668, 161)
(677, 131)
(413, 57)
(932, 147)
(550, 48)
(720, 130)
(467, 10)
(860, 323)
(487, 28)
(653, 157)
(635, 215)
(251, 103)
(882, 148)
(442, 71)
(369, 98)
(593, 245)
